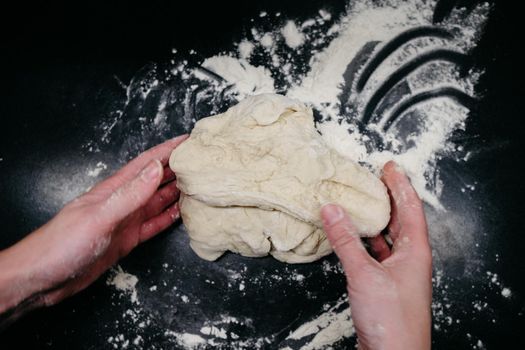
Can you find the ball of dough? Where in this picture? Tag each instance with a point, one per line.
(255, 177)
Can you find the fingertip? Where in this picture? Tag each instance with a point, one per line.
(396, 180)
(392, 169)
(168, 146)
(337, 224)
(331, 214)
(179, 139)
(174, 212)
(392, 165)
(389, 166)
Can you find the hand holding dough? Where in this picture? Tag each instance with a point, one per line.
(254, 180)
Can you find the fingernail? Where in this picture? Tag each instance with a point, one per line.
(151, 172)
(332, 214)
(400, 169)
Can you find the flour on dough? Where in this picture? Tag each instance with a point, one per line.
(255, 177)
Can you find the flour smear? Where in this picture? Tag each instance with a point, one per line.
(368, 113)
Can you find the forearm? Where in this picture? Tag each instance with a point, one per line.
(15, 291)
(22, 286)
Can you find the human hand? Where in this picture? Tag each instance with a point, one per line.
(390, 297)
(91, 233)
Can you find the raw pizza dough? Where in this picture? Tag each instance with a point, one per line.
(255, 177)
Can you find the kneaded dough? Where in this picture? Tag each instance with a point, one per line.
(255, 177)
(250, 232)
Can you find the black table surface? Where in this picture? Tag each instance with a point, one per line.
(60, 64)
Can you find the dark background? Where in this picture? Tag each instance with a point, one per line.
(59, 63)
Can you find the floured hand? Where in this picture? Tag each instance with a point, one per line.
(90, 234)
(390, 297)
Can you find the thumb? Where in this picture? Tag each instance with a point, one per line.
(345, 240)
(134, 193)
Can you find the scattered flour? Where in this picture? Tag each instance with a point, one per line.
(245, 49)
(298, 277)
(267, 62)
(328, 328)
(292, 36)
(506, 292)
(187, 340)
(325, 15)
(97, 169)
(267, 40)
(247, 79)
(214, 331)
(124, 282)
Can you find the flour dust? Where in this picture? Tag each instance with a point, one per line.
(385, 82)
